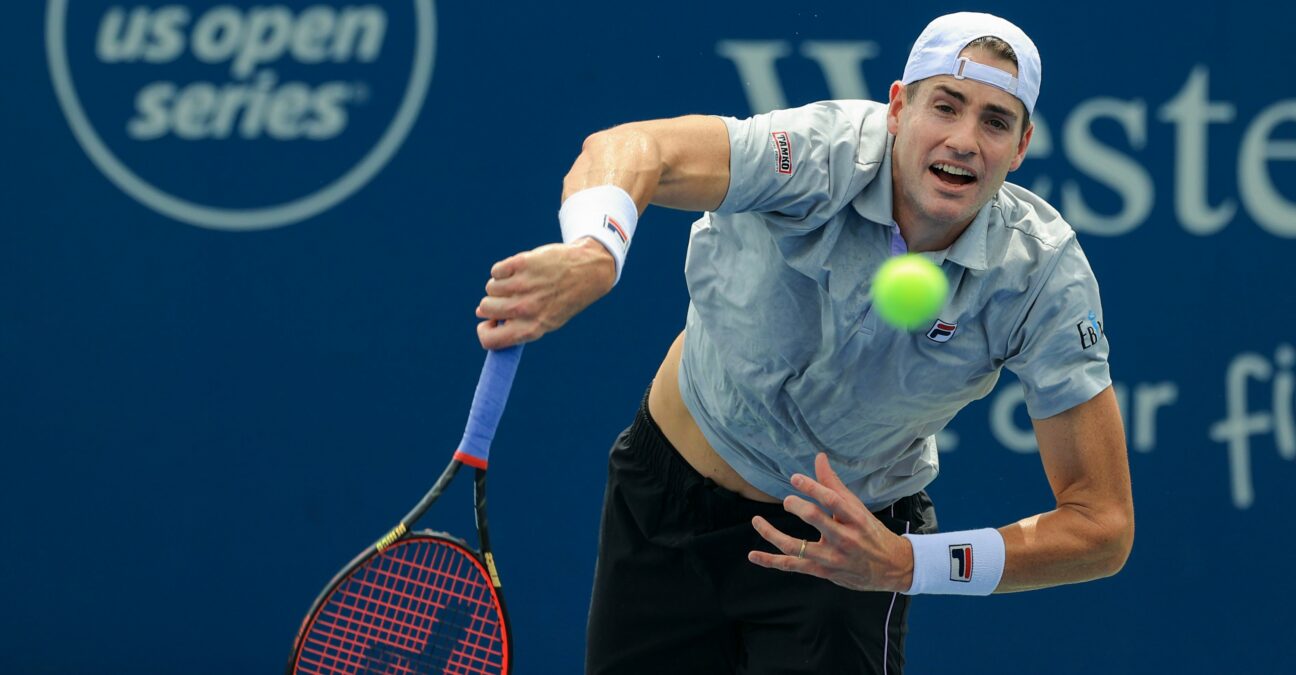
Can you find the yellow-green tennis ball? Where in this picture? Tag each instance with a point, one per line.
(909, 291)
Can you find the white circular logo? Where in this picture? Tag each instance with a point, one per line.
(254, 105)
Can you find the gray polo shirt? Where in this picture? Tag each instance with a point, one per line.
(783, 356)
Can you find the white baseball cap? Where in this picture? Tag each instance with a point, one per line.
(936, 52)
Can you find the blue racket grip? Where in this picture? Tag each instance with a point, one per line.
(488, 405)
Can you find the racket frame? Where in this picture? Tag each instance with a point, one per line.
(487, 407)
(403, 530)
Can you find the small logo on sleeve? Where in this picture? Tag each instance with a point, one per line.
(783, 150)
(961, 562)
(1091, 331)
(611, 224)
(941, 331)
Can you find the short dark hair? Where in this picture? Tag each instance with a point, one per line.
(996, 47)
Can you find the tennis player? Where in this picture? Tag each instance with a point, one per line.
(765, 511)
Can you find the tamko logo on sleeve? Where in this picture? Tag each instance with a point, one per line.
(241, 116)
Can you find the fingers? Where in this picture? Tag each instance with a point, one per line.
(538, 291)
(853, 549)
(500, 334)
(812, 515)
(789, 546)
(788, 563)
(505, 287)
(832, 493)
(504, 309)
(507, 292)
(840, 505)
(826, 475)
(783, 542)
(510, 314)
(508, 266)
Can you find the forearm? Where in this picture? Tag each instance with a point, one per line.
(1090, 533)
(1068, 545)
(680, 163)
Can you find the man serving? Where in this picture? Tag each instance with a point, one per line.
(787, 429)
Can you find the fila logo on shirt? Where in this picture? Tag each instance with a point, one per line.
(1090, 330)
(961, 562)
(783, 150)
(942, 331)
(611, 224)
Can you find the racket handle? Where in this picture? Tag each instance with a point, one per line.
(488, 405)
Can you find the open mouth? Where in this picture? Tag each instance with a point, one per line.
(952, 175)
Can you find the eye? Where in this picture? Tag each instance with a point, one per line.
(945, 108)
(999, 125)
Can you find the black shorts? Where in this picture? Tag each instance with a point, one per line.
(675, 593)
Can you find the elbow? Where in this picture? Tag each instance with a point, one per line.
(601, 142)
(621, 149)
(1116, 544)
(618, 136)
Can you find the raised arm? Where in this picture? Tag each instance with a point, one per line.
(680, 163)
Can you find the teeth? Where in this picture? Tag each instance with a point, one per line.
(954, 170)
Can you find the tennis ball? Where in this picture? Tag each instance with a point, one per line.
(909, 291)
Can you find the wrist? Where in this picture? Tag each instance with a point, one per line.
(969, 562)
(904, 577)
(593, 252)
(606, 214)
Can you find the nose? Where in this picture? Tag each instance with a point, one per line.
(962, 138)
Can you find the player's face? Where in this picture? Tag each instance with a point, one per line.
(954, 145)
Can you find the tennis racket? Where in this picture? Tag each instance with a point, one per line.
(421, 602)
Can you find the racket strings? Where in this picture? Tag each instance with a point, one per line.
(423, 606)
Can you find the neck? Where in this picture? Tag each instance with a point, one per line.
(924, 234)
(920, 236)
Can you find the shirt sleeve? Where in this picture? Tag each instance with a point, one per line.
(1059, 351)
(796, 166)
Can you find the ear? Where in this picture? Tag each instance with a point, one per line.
(894, 106)
(1021, 147)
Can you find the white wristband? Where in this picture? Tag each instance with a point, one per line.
(606, 213)
(970, 562)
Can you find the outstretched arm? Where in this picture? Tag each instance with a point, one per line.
(1088, 535)
(680, 163)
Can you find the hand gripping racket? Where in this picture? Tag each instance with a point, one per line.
(421, 602)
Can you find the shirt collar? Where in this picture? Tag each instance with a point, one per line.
(969, 250)
(874, 201)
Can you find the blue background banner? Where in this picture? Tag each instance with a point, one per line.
(242, 243)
